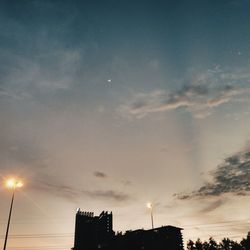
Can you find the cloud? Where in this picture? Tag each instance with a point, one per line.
(55, 189)
(206, 92)
(199, 100)
(31, 161)
(51, 71)
(126, 183)
(19, 154)
(99, 174)
(53, 186)
(108, 194)
(37, 60)
(232, 176)
(212, 206)
(26, 157)
(4, 93)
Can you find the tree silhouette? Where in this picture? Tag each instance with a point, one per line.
(190, 245)
(212, 244)
(198, 244)
(225, 244)
(205, 245)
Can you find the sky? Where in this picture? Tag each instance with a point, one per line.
(108, 105)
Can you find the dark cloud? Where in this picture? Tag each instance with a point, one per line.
(232, 176)
(99, 174)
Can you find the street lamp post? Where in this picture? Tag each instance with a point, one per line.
(11, 184)
(150, 206)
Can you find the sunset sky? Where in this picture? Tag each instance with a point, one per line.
(107, 105)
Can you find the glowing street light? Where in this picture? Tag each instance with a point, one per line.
(150, 206)
(11, 184)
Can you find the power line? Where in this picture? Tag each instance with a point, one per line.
(224, 224)
(42, 246)
(54, 247)
(215, 223)
(39, 236)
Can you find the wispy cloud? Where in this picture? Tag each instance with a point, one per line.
(232, 176)
(74, 194)
(55, 189)
(207, 92)
(212, 206)
(21, 154)
(28, 77)
(108, 194)
(31, 161)
(200, 100)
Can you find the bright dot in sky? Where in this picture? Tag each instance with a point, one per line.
(109, 80)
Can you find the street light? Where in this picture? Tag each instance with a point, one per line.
(150, 206)
(11, 184)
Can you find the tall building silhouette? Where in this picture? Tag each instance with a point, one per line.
(96, 232)
(93, 232)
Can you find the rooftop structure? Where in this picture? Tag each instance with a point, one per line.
(93, 232)
(96, 232)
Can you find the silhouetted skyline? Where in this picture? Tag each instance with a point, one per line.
(96, 232)
(119, 103)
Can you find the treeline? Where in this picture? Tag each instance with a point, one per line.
(225, 244)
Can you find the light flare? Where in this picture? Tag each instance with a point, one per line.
(13, 183)
(149, 205)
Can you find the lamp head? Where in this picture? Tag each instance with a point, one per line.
(13, 183)
(149, 205)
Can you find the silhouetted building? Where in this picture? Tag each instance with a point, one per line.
(248, 241)
(96, 232)
(93, 232)
(161, 238)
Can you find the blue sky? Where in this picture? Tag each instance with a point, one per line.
(111, 104)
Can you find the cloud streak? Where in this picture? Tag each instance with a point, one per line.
(108, 194)
(48, 73)
(211, 207)
(199, 100)
(34, 160)
(207, 91)
(74, 194)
